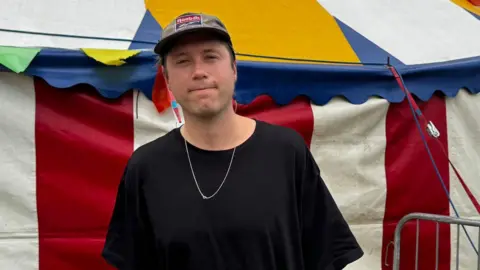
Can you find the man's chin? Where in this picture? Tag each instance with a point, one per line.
(207, 112)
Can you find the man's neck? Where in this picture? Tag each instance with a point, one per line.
(226, 131)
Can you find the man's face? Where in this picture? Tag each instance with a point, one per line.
(201, 75)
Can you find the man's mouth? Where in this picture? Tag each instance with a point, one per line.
(200, 89)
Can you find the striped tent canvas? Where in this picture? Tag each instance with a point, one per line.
(63, 153)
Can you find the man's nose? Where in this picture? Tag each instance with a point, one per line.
(198, 70)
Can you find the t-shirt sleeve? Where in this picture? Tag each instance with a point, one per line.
(129, 243)
(328, 243)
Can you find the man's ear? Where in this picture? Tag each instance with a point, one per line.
(234, 67)
(165, 73)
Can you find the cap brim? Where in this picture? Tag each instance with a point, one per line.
(168, 42)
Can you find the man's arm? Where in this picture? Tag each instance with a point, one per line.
(129, 244)
(328, 243)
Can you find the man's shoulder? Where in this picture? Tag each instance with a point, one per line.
(281, 136)
(154, 149)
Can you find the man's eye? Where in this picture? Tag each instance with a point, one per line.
(181, 61)
(211, 57)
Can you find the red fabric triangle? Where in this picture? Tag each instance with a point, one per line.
(160, 95)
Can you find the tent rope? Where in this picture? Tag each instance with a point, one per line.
(153, 43)
(416, 112)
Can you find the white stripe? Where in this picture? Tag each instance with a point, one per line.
(149, 124)
(98, 18)
(18, 210)
(413, 31)
(348, 144)
(464, 151)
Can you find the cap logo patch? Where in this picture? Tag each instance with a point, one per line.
(187, 21)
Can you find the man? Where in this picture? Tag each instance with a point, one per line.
(222, 191)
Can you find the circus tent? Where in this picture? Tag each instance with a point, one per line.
(80, 90)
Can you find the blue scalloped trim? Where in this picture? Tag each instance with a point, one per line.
(283, 82)
(65, 68)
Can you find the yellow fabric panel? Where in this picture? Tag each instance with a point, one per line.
(110, 57)
(285, 28)
(468, 6)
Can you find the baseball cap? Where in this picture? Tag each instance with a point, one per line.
(189, 23)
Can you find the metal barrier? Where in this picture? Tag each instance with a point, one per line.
(438, 219)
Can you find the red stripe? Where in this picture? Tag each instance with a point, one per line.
(82, 145)
(297, 115)
(413, 185)
(475, 2)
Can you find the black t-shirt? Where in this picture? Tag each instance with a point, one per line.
(273, 212)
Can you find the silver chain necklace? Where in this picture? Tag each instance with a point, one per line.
(195, 178)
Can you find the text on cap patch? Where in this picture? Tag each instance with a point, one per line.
(187, 21)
